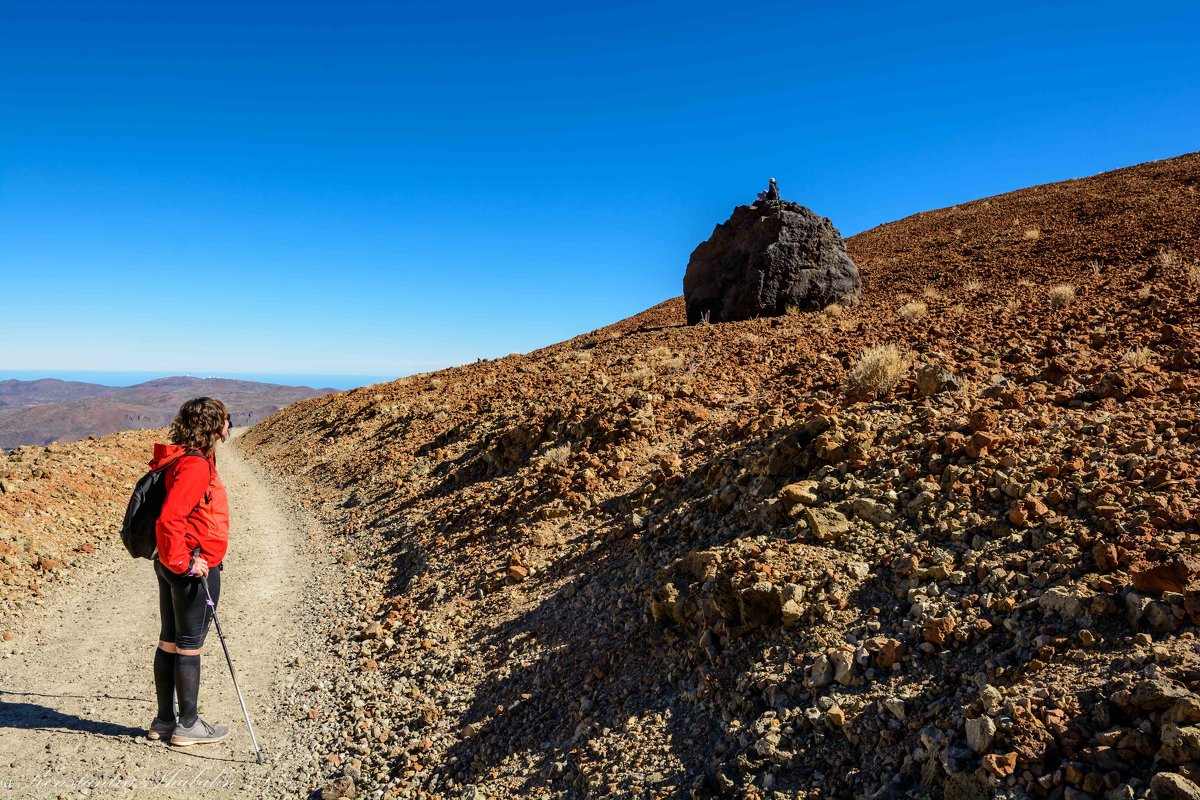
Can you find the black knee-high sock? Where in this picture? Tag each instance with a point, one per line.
(164, 683)
(187, 686)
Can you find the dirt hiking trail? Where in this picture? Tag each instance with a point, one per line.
(77, 690)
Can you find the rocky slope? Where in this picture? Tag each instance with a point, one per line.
(733, 560)
(57, 503)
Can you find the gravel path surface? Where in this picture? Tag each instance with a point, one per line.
(76, 687)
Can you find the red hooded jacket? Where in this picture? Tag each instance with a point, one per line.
(195, 512)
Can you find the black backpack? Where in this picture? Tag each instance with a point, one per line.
(145, 504)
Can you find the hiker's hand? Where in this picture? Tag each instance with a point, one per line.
(199, 567)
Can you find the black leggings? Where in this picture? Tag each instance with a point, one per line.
(182, 606)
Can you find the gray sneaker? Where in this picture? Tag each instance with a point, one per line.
(160, 729)
(200, 732)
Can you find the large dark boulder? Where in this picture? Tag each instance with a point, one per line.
(766, 260)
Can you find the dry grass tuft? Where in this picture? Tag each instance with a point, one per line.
(1170, 260)
(913, 310)
(643, 377)
(1062, 294)
(791, 310)
(878, 370)
(957, 310)
(556, 455)
(1145, 293)
(832, 310)
(932, 293)
(673, 364)
(572, 359)
(974, 285)
(1138, 357)
(1032, 233)
(662, 360)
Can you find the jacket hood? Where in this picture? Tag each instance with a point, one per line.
(165, 453)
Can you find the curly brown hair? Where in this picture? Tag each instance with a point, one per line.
(199, 423)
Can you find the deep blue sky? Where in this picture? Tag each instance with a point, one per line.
(386, 187)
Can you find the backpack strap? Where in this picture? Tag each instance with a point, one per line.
(198, 454)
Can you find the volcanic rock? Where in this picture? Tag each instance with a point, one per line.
(979, 733)
(767, 260)
(934, 378)
(1165, 576)
(1061, 602)
(1172, 786)
(1158, 694)
(826, 523)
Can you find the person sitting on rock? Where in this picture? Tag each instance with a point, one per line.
(771, 193)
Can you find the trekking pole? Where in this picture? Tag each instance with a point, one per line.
(213, 607)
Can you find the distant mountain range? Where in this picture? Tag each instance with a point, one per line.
(49, 410)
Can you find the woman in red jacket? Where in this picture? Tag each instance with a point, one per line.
(192, 534)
